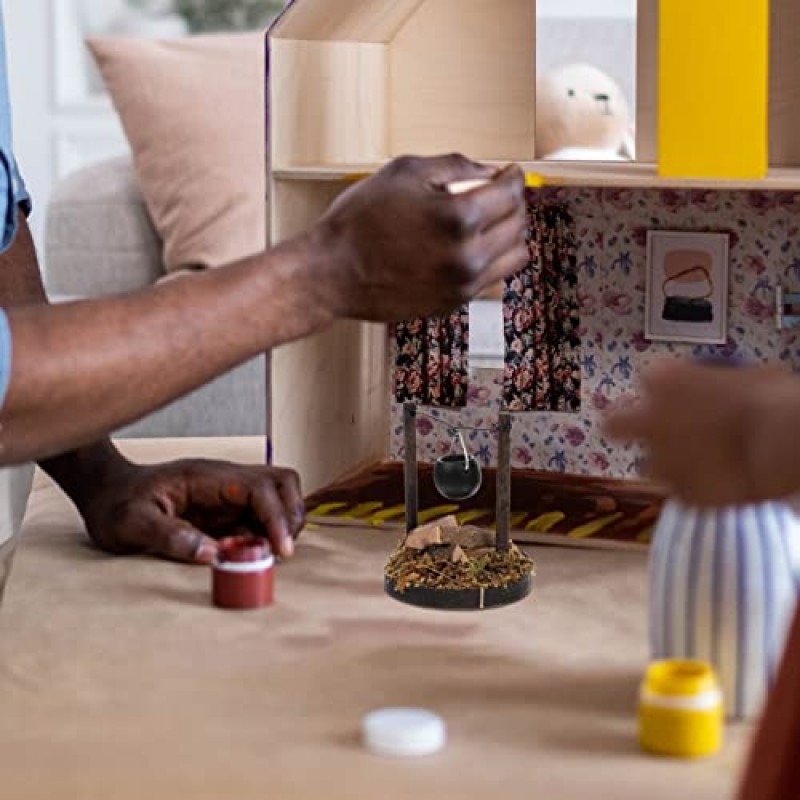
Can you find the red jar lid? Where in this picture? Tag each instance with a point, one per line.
(242, 549)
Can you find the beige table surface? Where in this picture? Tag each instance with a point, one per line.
(119, 680)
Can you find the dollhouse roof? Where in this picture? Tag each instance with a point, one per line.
(367, 80)
(376, 21)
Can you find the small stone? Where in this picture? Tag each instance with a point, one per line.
(605, 504)
(470, 536)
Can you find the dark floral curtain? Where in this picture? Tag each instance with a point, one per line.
(432, 360)
(541, 318)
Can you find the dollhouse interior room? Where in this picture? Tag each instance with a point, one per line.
(628, 158)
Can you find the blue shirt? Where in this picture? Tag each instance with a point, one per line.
(12, 195)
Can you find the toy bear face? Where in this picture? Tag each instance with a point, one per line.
(580, 106)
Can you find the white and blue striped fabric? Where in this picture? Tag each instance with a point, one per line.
(723, 588)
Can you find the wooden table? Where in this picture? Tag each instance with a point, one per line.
(119, 681)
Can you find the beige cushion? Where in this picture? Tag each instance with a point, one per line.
(193, 111)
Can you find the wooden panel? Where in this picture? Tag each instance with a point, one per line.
(294, 206)
(350, 20)
(329, 406)
(330, 402)
(647, 81)
(713, 60)
(329, 102)
(462, 77)
(784, 109)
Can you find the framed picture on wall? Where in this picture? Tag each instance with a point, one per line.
(687, 287)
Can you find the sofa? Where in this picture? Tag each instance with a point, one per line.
(99, 241)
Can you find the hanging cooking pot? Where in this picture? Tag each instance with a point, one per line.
(458, 476)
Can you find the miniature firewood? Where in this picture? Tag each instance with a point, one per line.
(423, 538)
(431, 534)
(458, 556)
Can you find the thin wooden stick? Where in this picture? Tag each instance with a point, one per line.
(773, 772)
(411, 477)
(503, 511)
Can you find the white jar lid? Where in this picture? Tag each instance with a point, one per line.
(404, 732)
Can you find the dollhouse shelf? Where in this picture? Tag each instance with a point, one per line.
(589, 174)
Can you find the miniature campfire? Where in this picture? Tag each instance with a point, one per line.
(445, 565)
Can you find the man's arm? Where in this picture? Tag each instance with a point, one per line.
(82, 369)
(21, 285)
(395, 246)
(174, 510)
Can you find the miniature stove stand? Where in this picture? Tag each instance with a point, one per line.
(410, 466)
(479, 598)
(503, 510)
(411, 475)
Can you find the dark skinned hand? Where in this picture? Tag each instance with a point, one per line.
(178, 510)
(717, 436)
(406, 247)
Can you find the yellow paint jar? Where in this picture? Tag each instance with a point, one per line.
(680, 710)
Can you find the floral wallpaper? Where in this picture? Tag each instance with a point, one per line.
(611, 227)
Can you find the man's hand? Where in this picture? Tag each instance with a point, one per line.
(177, 510)
(718, 435)
(405, 247)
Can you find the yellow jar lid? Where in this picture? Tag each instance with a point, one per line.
(677, 678)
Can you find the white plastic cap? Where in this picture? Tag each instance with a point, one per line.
(404, 732)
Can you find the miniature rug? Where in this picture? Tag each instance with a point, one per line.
(546, 507)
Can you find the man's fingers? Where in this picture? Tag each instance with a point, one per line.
(441, 170)
(508, 264)
(176, 539)
(506, 239)
(288, 482)
(628, 424)
(487, 206)
(269, 509)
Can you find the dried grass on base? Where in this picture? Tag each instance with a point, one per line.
(434, 568)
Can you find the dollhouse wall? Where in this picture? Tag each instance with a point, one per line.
(611, 227)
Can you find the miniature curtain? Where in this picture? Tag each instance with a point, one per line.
(541, 318)
(432, 360)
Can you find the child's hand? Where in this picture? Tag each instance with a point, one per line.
(717, 435)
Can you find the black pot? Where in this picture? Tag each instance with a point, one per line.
(456, 480)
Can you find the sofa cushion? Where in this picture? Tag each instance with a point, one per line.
(99, 239)
(193, 112)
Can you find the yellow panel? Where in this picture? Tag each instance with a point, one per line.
(713, 88)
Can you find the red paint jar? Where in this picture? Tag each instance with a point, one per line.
(244, 574)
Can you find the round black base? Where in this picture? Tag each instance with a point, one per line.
(462, 599)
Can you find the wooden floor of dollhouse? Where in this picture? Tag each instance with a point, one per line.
(546, 508)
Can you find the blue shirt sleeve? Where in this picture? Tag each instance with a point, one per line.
(13, 196)
(5, 356)
(13, 193)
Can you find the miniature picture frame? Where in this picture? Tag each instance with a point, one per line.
(687, 287)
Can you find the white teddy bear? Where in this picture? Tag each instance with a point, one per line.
(582, 115)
